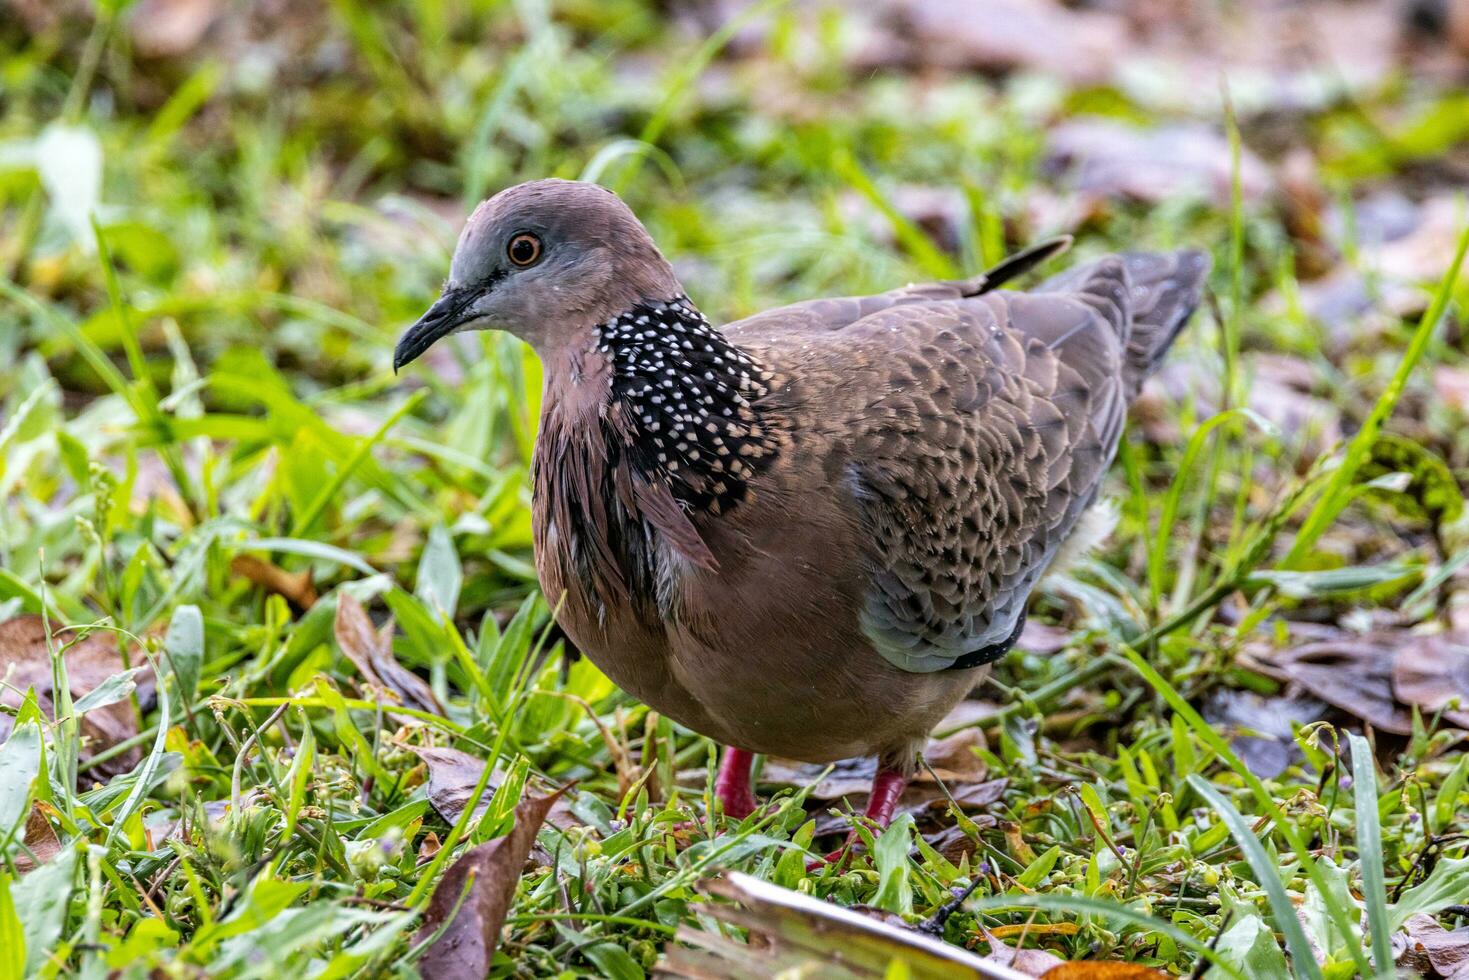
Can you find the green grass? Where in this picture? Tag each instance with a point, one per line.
(202, 372)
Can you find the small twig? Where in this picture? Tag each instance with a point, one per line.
(1203, 963)
(934, 924)
(1425, 860)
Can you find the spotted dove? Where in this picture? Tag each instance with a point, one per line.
(806, 533)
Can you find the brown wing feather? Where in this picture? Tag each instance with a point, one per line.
(973, 432)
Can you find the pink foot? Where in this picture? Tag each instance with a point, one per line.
(887, 786)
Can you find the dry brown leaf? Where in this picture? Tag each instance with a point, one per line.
(996, 36)
(428, 847)
(371, 652)
(1429, 949)
(1351, 673)
(1377, 677)
(168, 28)
(1043, 638)
(1094, 970)
(953, 844)
(952, 761)
(1452, 386)
(968, 713)
(1433, 672)
(920, 799)
(1423, 254)
(1106, 158)
(940, 212)
(25, 662)
(1048, 966)
(1035, 929)
(1269, 747)
(295, 586)
(40, 840)
(1280, 390)
(486, 877)
(452, 776)
(1458, 25)
(1029, 962)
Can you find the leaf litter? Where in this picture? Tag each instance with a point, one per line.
(92, 661)
(370, 649)
(470, 902)
(1378, 677)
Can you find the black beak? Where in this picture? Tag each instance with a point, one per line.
(448, 314)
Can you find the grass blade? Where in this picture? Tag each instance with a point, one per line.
(150, 765)
(1338, 491)
(1267, 874)
(1369, 852)
(344, 472)
(1340, 918)
(1111, 911)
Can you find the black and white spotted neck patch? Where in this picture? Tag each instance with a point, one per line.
(693, 399)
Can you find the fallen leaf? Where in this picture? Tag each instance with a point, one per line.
(942, 213)
(1281, 60)
(1280, 390)
(1304, 205)
(485, 876)
(969, 713)
(952, 761)
(953, 769)
(1428, 948)
(1043, 639)
(1458, 25)
(452, 776)
(1432, 672)
(958, 756)
(1110, 159)
(1029, 962)
(1423, 254)
(953, 844)
(1262, 727)
(919, 799)
(791, 934)
(1452, 386)
(1095, 970)
(167, 28)
(1035, 929)
(40, 840)
(371, 652)
(295, 586)
(25, 662)
(1348, 672)
(1401, 246)
(996, 36)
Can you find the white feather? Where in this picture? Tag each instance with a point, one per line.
(1092, 530)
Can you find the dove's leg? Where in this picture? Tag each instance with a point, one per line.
(732, 785)
(887, 785)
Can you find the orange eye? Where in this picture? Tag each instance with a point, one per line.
(524, 249)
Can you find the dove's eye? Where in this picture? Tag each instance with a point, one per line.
(524, 249)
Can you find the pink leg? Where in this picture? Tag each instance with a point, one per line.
(732, 785)
(887, 786)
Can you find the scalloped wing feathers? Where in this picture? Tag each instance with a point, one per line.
(974, 432)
